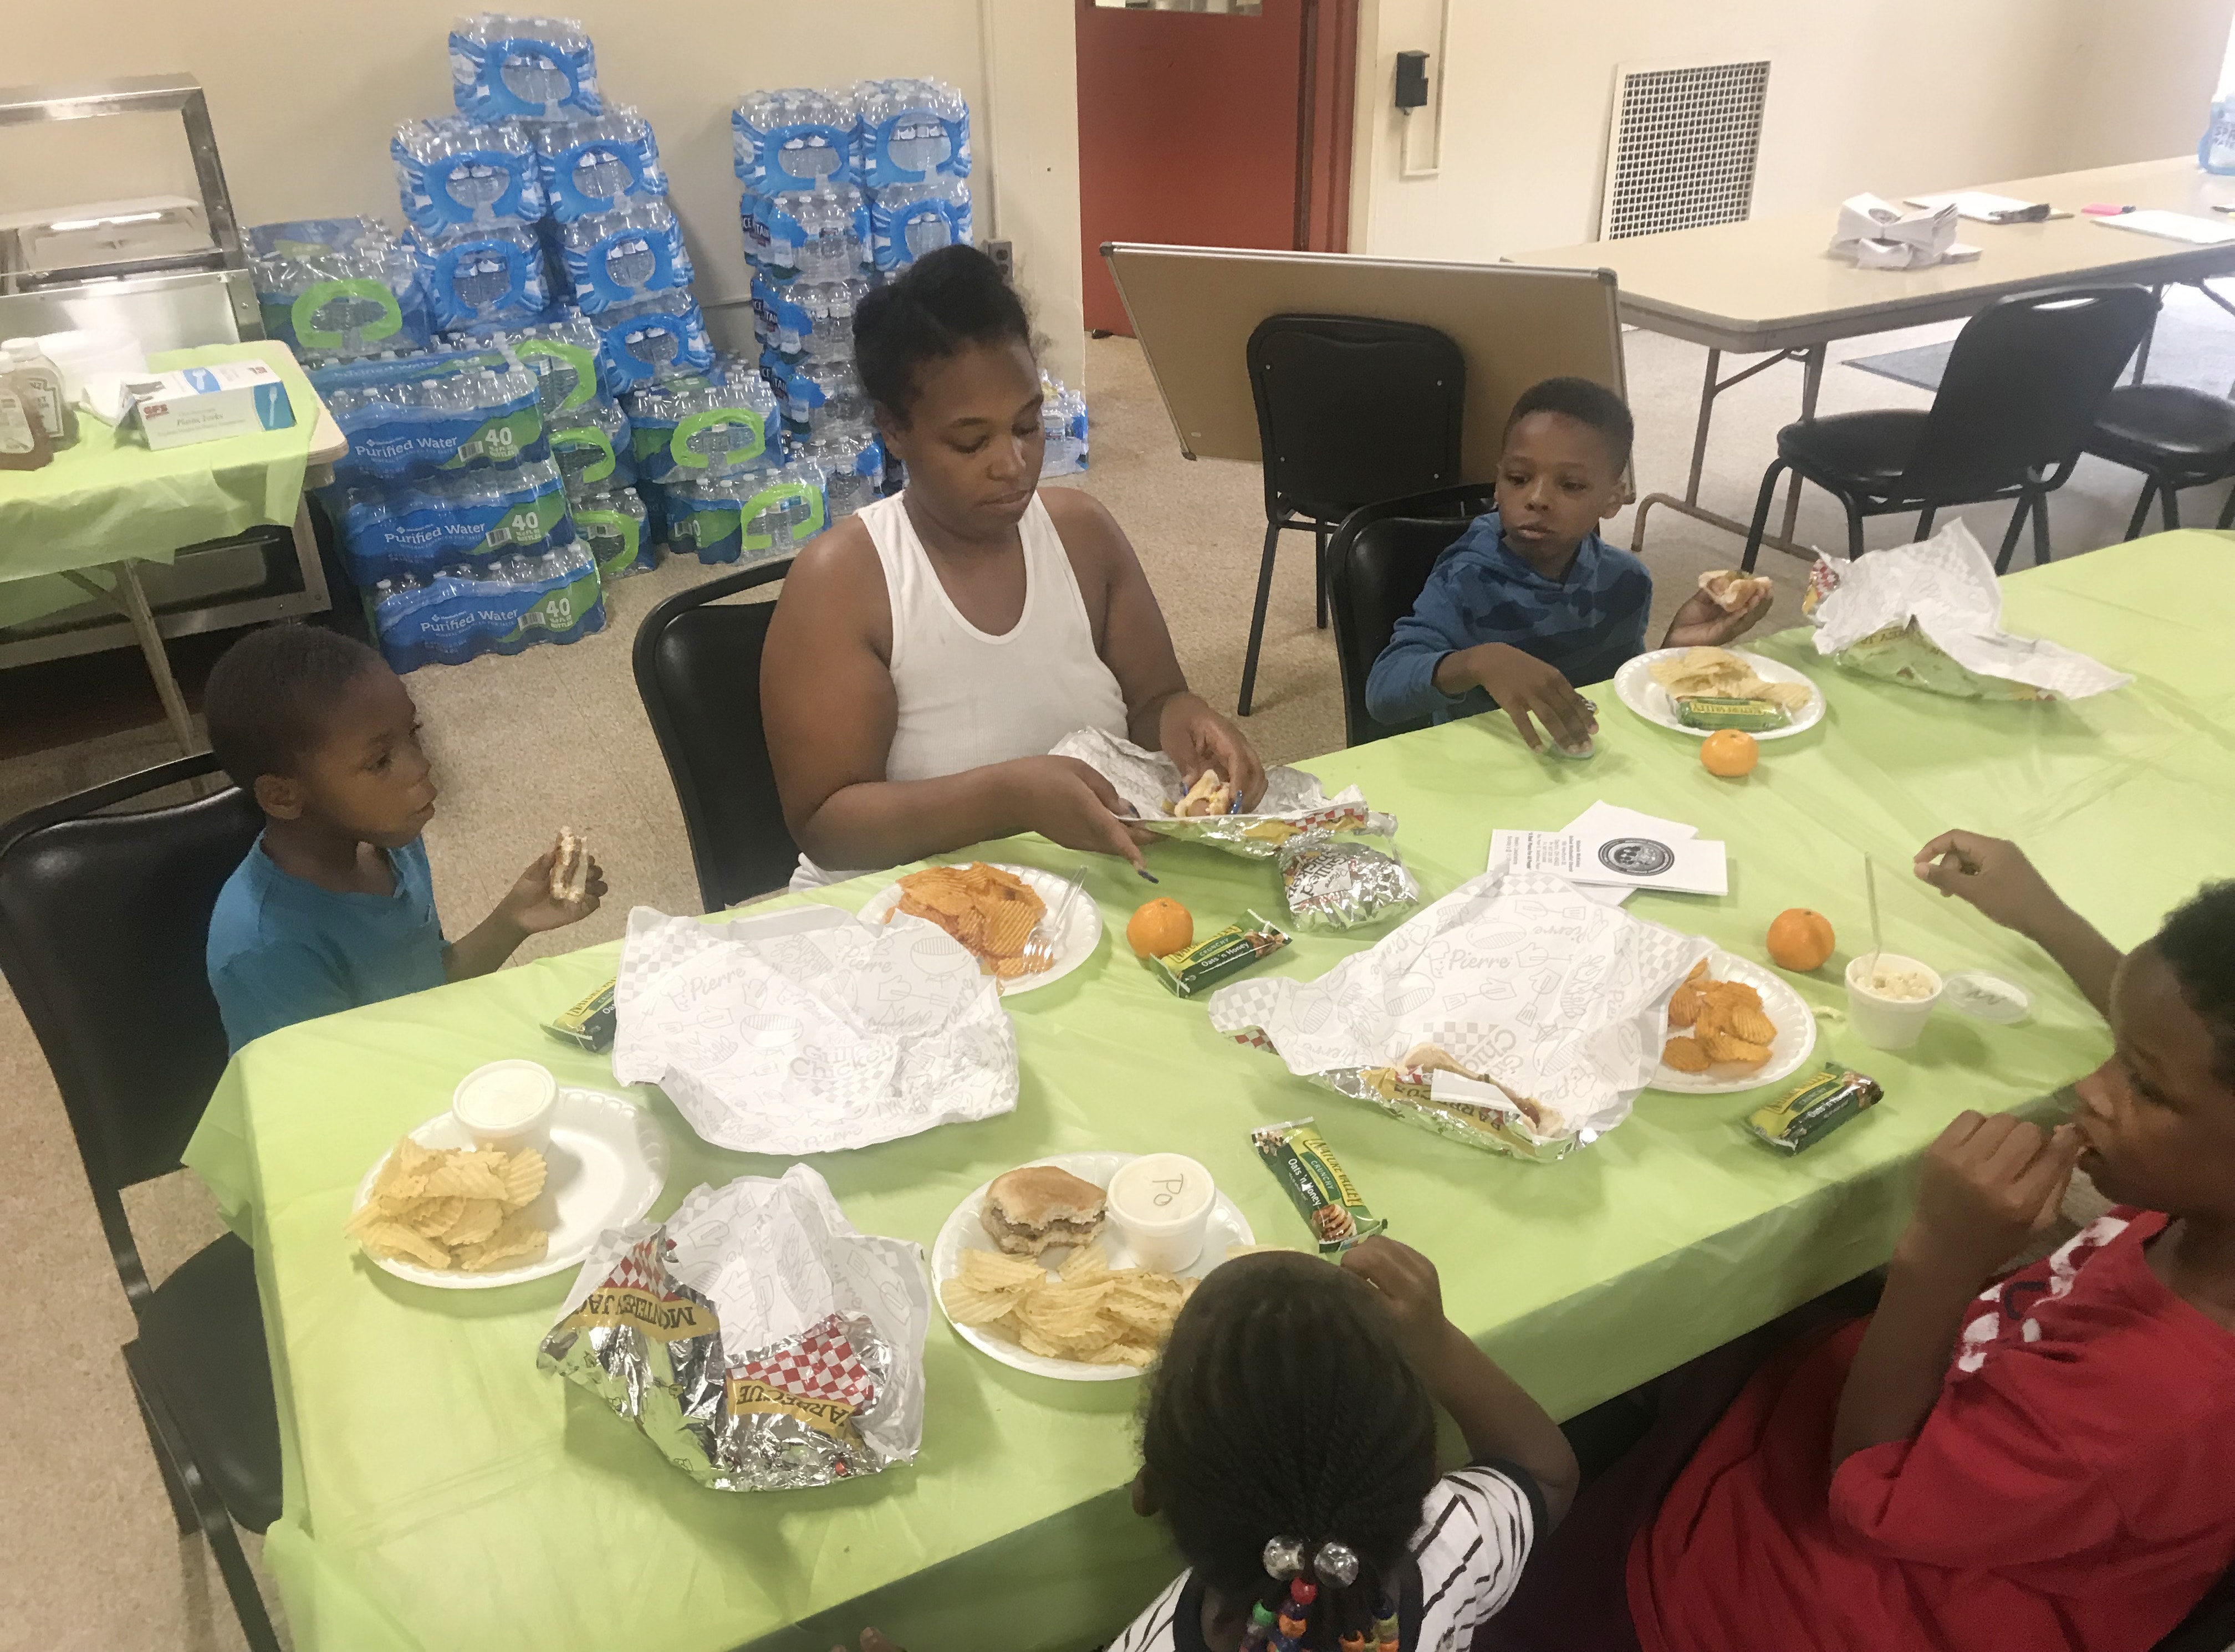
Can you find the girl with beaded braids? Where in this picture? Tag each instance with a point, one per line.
(1289, 1443)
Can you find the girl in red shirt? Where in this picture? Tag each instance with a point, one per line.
(2044, 1462)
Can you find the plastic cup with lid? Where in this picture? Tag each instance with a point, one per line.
(1161, 1203)
(507, 1105)
(1890, 998)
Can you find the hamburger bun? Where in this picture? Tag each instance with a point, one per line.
(1031, 1209)
(1733, 590)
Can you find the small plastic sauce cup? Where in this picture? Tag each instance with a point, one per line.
(507, 1105)
(1887, 1022)
(1161, 1203)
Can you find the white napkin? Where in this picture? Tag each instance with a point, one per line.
(1947, 588)
(1879, 235)
(802, 1042)
(1519, 976)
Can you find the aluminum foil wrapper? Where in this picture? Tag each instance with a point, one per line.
(1149, 782)
(755, 1336)
(1339, 880)
(1517, 1014)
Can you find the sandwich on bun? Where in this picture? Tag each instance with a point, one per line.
(1029, 1211)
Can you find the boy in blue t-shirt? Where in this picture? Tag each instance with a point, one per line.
(334, 907)
(1530, 601)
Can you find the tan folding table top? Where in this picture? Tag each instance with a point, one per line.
(1768, 283)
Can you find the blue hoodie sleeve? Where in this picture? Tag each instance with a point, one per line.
(1401, 688)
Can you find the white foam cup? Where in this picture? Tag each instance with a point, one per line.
(1161, 1203)
(507, 1105)
(1887, 1022)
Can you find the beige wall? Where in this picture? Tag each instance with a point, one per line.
(304, 128)
(1887, 95)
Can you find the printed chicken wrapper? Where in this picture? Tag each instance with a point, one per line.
(1515, 1014)
(1930, 615)
(755, 1336)
(1149, 782)
(805, 1041)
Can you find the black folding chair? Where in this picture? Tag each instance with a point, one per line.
(2177, 437)
(1377, 563)
(104, 919)
(1349, 411)
(698, 671)
(2023, 385)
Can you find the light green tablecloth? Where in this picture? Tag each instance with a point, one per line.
(441, 1493)
(107, 498)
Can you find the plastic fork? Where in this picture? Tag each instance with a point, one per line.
(1040, 944)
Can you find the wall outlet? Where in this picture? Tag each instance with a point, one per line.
(1003, 254)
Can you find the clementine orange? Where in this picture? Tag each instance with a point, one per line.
(1159, 927)
(1729, 753)
(1799, 939)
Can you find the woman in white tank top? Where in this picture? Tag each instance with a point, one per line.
(927, 652)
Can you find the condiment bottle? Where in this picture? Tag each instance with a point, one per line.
(43, 382)
(22, 437)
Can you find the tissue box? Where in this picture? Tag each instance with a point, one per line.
(204, 403)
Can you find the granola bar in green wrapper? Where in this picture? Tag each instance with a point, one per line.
(1316, 1184)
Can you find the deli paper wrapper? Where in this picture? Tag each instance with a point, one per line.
(1945, 589)
(1519, 976)
(1294, 802)
(801, 1043)
(756, 1336)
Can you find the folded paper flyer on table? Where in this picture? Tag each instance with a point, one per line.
(802, 1042)
(758, 1339)
(1151, 784)
(1930, 616)
(1619, 854)
(1602, 819)
(1515, 1014)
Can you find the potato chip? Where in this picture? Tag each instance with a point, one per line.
(445, 1207)
(517, 1241)
(474, 1220)
(1084, 1264)
(1685, 1055)
(990, 912)
(996, 1270)
(967, 1305)
(1086, 1311)
(470, 1175)
(522, 1174)
(1723, 1046)
(394, 1240)
(431, 1217)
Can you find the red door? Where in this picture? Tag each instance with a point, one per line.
(1191, 132)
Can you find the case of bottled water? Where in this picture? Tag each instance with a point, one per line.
(451, 171)
(413, 415)
(337, 287)
(1062, 421)
(388, 531)
(753, 518)
(814, 234)
(661, 333)
(911, 130)
(795, 137)
(597, 164)
(590, 444)
(461, 611)
(812, 318)
(853, 465)
(564, 355)
(538, 68)
(611, 524)
(821, 397)
(908, 220)
(688, 427)
(617, 257)
(483, 275)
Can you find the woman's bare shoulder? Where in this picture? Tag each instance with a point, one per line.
(836, 589)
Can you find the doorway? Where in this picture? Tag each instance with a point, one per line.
(1201, 128)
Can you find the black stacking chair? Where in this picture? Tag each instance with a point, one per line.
(1377, 562)
(699, 672)
(104, 918)
(2175, 436)
(1349, 411)
(2025, 384)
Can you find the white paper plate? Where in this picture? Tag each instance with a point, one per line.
(964, 1232)
(1796, 1034)
(607, 1162)
(1082, 930)
(1635, 685)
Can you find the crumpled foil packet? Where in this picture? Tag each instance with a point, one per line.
(1930, 616)
(1150, 781)
(811, 1039)
(1338, 880)
(1515, 1014)
(755, 1336)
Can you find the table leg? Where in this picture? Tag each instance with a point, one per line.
(1811, 380)
(2149, 336)
(1812, 361)
(134, 600)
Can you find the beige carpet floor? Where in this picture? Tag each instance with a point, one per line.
(556, 736)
